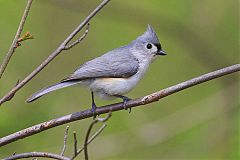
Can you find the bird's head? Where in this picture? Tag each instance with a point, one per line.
(147, 45)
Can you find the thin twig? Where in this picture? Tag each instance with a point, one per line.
(118, 106)
(15, 40)
(79, 39)
(95, 135)
(11, 96)
(61, 156)
(54, 54)
(86, 138)
(99, 131)
(89, 131)
(65, 141)
(36, 154)
(75, 143)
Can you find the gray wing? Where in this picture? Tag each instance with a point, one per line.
(118, 63)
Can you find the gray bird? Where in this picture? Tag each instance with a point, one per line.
(114, 73)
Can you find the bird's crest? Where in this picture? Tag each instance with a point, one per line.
(149, 36)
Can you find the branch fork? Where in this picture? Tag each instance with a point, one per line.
(78, 40)
(15, 42)
(76, 152)
(63, 46)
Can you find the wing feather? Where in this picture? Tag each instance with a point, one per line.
(118, 63)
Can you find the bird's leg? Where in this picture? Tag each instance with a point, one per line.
(125, 100)
(94, 107)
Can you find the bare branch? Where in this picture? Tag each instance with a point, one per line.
(55, 53)
(61, 156)
(99, 131)
(79, 39)
(89, 131)
(11, 96)
(118, 106)
(86, 138)
(36, 154)
(75, 143)
(99, 119)
(65, 141)
(15, 40)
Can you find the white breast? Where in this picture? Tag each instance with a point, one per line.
(105, 87)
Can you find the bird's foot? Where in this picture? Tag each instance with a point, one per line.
(94, 107)
(125, 100)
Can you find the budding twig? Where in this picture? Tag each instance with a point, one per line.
(55, 53)
(26, 36)
(15, 40)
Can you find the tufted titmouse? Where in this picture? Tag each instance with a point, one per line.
(115, 73)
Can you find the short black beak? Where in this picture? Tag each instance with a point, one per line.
(161, 52)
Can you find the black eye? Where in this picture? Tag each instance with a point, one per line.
(149, 46)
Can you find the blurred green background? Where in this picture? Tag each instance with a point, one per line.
(199, 36)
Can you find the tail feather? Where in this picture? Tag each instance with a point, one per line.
(49, 89)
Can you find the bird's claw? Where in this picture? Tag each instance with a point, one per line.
(125, 100)
(94, 107)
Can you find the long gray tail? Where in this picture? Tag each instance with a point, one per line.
(50, 89)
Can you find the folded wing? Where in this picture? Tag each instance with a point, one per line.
(114, 64)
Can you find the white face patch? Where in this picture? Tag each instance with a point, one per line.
(145, 52)
(151, 48)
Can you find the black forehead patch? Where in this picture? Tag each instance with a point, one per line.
(158, 45)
